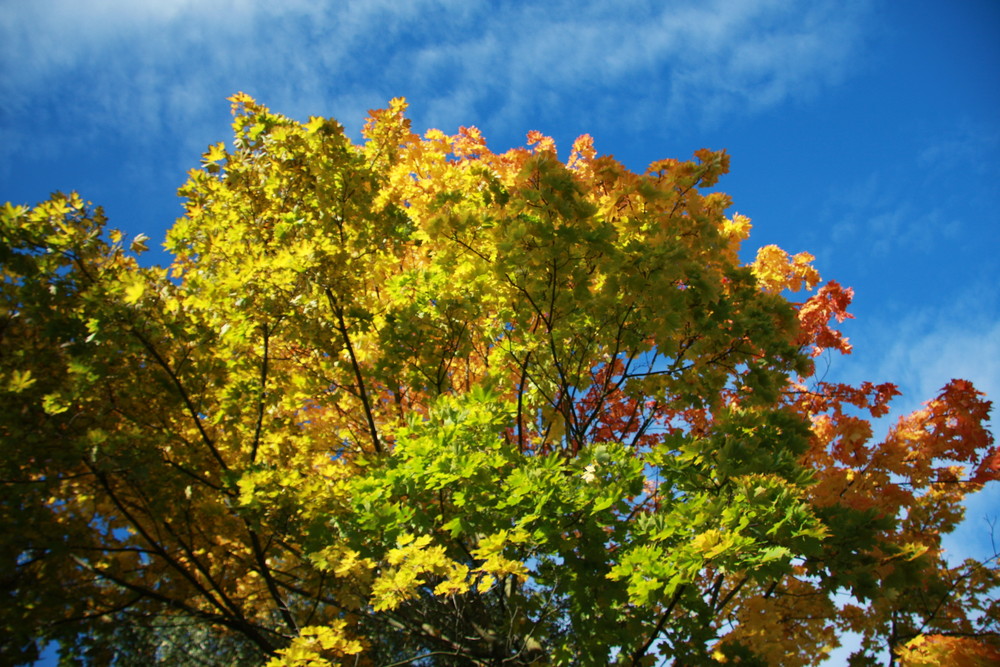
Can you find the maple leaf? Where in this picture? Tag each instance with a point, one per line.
(410, 396)
(831, 301)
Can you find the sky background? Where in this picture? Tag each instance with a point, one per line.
(864, 131)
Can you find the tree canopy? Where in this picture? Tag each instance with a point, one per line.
(411, 401)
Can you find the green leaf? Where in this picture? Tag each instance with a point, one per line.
(775, 553)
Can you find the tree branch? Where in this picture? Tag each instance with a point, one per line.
(260, 399)
(641, 651)
(188, 403)
(362, 392)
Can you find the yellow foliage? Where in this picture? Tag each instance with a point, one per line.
(318, 646)
(19, 381)
(411, 563)
(534, 373)
(765, 623)
(776, 271)
(939, 650)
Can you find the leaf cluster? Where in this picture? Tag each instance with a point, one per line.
(411, 400)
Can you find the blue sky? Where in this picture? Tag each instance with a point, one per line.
(864, 131)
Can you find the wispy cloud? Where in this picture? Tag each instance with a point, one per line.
(937, 193)
(921, 352)
(878, 216)
(169, 64)
(970, 147)
(922, 348)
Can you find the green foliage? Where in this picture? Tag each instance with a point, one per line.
(415, 400)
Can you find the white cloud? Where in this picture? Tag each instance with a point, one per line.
(880, 217)
(921, 353)
(169, 63)
(927, 347)
(970, 147)
(955, 348)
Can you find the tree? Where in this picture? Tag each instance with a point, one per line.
(413, 401)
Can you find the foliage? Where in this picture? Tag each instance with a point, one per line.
(412, 400)
(933, 650)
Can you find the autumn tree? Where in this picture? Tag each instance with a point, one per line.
(411, 400)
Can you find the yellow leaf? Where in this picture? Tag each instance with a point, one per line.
(134, 292)
(53, 404)
(19, 381)
(318, 645)
(215, 152)
(775, 270)
(712, 543)
(139, 244)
